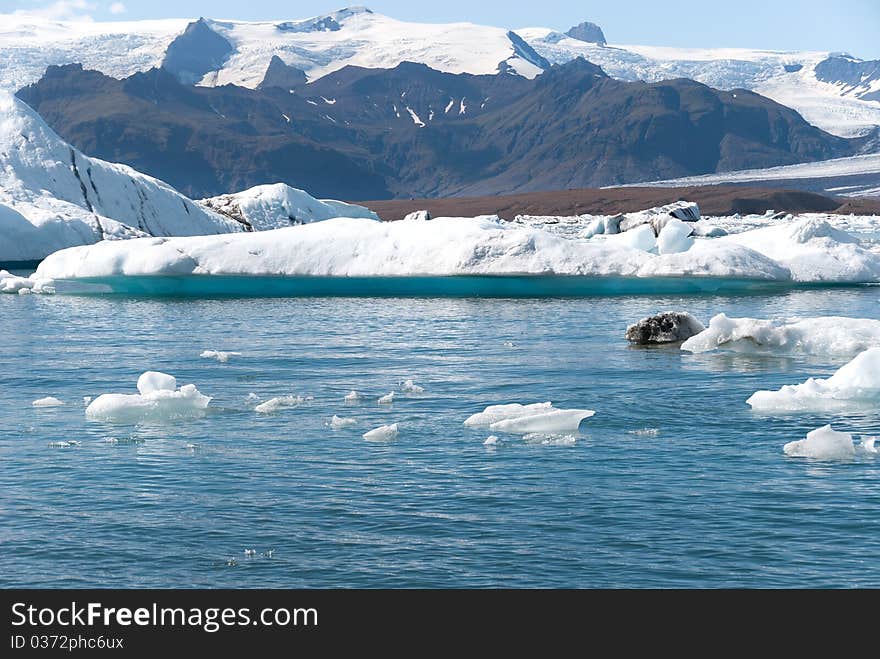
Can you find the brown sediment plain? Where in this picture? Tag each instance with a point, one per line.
(712, 199)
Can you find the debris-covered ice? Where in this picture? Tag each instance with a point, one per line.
(668, 327)
(159, 399)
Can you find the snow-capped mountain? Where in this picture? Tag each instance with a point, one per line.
(839, 94)
(834, 92)
(278, 205)
(52, 196)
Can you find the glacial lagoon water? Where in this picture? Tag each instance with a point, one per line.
(674, 483)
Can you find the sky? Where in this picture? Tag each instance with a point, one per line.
(845, 25)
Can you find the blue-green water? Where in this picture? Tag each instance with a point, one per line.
(710, 500)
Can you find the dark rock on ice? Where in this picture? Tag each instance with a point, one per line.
(669, 327)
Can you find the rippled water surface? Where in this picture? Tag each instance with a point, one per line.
(707, 500)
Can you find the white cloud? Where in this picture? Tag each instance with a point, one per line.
(62, 10)
(118, 8)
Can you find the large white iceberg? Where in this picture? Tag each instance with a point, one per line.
(857, 384)
(52, 196)
(279, 205)
(826, 335)
(158, 399)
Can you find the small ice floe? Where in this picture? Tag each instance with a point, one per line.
(48, 401)
(550, 439)
(522, 419)
(110, 440)
(353, 397)
(857, 384)
(281, 402)
(250, 552)
(87, 400)
(387, 399)
(192, 447)
(669, 327)
(823, 443)
(269, 553)
(338, 422)
(509, 344)
(382, 433)
(159, 399)
(869, 444)
(220, 355)
(491, 440)
(645, 432)
(410, 387)
(231, 562)
(64, 444)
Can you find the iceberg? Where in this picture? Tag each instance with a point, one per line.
(159, 399)
(387, 399)
(824, 443)
(831, 336)
(338, 422)
(52, 196)
(410, 387)
(553, 421)
(48, 401)
(267, 207)
(857, 384)
(219, 355)
(280, 403)
(382, 433)
(353, 397)
(495, 413)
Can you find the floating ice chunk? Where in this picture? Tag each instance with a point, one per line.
(411, 387)
(509, 344)
(495, 413)
(554, 421)
(491, 440)
(382, 433)
(10, 283)
(110, 440)
(869, 444)
(338, 422)
(675, 237)
(159, 400)
(387, 399)
(830, 335)
(48, 401)
(823, 443)
(645, 432)
(87, 400)
(353, 397)
(63, 444)
(550, 439)
(280, 403)
(219, 355)
(250, 552)
(153, 381)
(857, 384)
